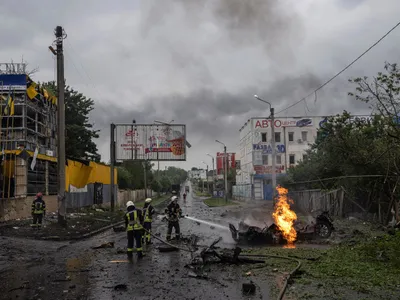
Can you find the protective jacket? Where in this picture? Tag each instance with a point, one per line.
(133, 219)
(173, 211)
(148, 212)
(38, 206)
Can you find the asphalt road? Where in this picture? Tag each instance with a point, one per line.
(31, 269)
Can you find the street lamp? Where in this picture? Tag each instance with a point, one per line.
(271, 109)
(225, 171)
(208, 188)
(213, 167)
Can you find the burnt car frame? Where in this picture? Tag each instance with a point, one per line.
(245, 234)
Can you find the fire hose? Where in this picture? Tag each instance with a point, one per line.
(166, 243)
(283, 290)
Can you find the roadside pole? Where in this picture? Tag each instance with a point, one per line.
(112, 165)
(61, 158)
(226, 174)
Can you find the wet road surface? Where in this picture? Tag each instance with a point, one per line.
(32, 269)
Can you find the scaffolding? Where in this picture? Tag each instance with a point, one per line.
(30, 127)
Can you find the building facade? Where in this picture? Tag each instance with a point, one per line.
(28, 157)
(293, 136)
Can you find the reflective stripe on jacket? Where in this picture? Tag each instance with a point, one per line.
(38, 207)
(133, 221)
(147, 213)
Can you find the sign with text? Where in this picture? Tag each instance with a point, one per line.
(298, 122)
(150, 142)
(260, 169)
(267, 149)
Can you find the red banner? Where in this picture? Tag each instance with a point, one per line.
(220, 162)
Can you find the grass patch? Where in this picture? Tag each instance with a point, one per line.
(202, 194)
(215, 202)
(156, 200)
(370, 267)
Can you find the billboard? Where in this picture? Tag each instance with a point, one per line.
(150, 142)
(220, 162)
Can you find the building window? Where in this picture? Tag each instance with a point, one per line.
(304, 135)
(52, 178)
(264, 137)
(277, 137)
(305, 156)
(291, 159)
(278, 160)
(291, 136)
(36, 177)
(265, 159)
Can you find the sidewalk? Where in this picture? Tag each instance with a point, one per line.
(82, 224)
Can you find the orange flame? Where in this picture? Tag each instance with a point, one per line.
(284, 217)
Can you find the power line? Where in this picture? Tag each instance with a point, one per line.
(340, 72)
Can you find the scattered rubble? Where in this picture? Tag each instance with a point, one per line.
(248, 288)
(105, 245)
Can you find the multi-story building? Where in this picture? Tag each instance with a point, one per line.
(28, 151)
(293, 136)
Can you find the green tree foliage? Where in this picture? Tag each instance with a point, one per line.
(80, 135)
(354, 151)
(131, 176)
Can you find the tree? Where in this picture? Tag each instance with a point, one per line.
(360, 156)
(79, 132)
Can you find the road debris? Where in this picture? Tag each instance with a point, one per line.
(105, 245)
(248, 288)
(119, 228)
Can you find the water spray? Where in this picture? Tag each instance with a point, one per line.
(207, 223)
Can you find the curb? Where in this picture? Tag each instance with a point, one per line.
(91, 233)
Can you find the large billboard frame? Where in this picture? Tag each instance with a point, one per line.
(139, 155)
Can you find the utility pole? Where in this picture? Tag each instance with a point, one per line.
(225, 171)
(273, 175)
(62, 211)
(213, 168)
(226, 174)
(112, 165)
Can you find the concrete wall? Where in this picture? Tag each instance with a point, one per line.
(19, 208)
(135, 196)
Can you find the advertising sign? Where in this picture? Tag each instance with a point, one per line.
(266, 123)
(267, 149)
(220, 162)
(150, 142)
(268, 169)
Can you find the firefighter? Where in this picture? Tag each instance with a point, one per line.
(38, 210)
(134, 228)
(174, 212)
(148, 212)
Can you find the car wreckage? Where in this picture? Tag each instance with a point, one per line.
(320, 229)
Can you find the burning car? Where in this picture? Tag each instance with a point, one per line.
(245, 234)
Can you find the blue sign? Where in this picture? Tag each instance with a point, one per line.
(267, 149)
(218, 194)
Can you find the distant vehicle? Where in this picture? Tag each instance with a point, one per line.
(304, 122)
(187, 189)
(176, 188)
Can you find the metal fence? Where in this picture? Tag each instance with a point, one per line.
(243, 191)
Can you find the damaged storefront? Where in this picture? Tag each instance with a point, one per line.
(24, 174)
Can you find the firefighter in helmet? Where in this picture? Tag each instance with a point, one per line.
(134, 228)
(174, 212)
(148, 212)
(38, 210)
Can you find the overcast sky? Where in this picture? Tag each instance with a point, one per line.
(200, 62)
